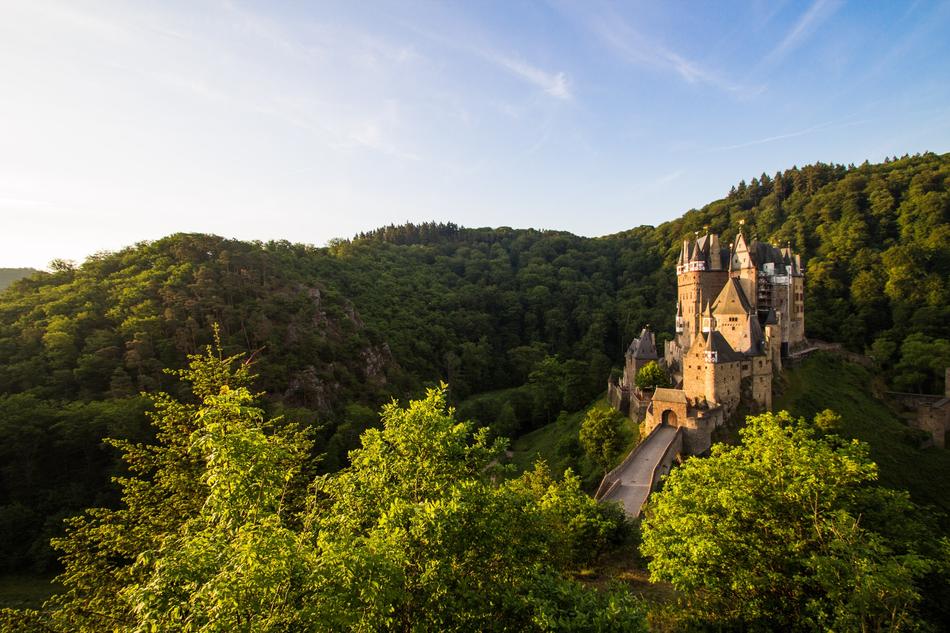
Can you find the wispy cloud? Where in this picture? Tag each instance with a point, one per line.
(807, 24)
(829, 125)
(555, 84)
(637, 49)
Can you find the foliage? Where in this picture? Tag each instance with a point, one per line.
(393, 311)
(415, 534)
(824, 378)
(205, 468)
(418, 519)
(558, 445)
(652, 376)
(786, 531)
(600, 436)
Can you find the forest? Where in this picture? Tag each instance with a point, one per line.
(520, 324)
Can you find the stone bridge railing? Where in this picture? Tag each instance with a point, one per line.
(662, 466)
(610, 480)
(665, 464)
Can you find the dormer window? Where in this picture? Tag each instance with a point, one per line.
(709, 324)
(712, 357)
(697, 266)
(680, 324)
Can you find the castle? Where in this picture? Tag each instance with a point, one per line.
(739, 310)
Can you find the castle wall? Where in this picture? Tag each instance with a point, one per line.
(773, 342)
(617, 396)
(728, 380)
(694, 372)
(934, 420)
(796, 334)
(735, 329)
(697, 432)
(637, 407)
(761, 382)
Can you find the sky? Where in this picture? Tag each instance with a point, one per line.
(307, 121)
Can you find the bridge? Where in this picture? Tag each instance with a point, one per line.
(638, 474)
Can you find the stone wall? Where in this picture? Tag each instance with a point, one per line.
(934, 419)
(617, 396)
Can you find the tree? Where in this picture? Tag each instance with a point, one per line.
(652, 376)
(192, 505)
(785, 531)
(415, 536)
(600, 436)
(238, 564)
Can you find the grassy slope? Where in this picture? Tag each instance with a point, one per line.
(551, 443)
(825, 381)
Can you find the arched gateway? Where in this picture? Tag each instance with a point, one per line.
(669, 417)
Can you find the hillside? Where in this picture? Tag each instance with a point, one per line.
(825, 381)
(335, 331)
(9, 275)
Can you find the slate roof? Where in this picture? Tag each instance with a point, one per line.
(731, 299)
(643, 348)
(669, 395)
(716, 342)
(756, 337)
(702, 249)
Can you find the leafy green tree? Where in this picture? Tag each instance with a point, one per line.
(195, 488)
(415, 536)
(922, 364)
(600, 436)
(785, 531)
(547, 380)
(652, 376)
(238, 564)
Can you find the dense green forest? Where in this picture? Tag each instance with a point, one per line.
(537, 318)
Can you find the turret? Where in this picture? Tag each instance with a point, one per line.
(715, 251)
(742, 267)
(640, 352)
(709, 321)
(773, 340)
(711, 358)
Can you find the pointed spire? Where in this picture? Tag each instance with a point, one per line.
(715, 252)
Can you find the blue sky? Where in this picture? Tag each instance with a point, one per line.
(125, 121)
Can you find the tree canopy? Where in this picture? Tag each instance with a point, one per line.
(600, 436)
(652, 376)
(219, 529)
(787, 531)
(336, 331)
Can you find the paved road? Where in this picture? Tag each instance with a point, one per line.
(636, 477)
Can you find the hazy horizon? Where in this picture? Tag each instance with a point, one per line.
(121, 123)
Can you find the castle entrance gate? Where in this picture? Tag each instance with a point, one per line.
(669, 417)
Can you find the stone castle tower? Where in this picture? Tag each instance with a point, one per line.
(739, 310)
